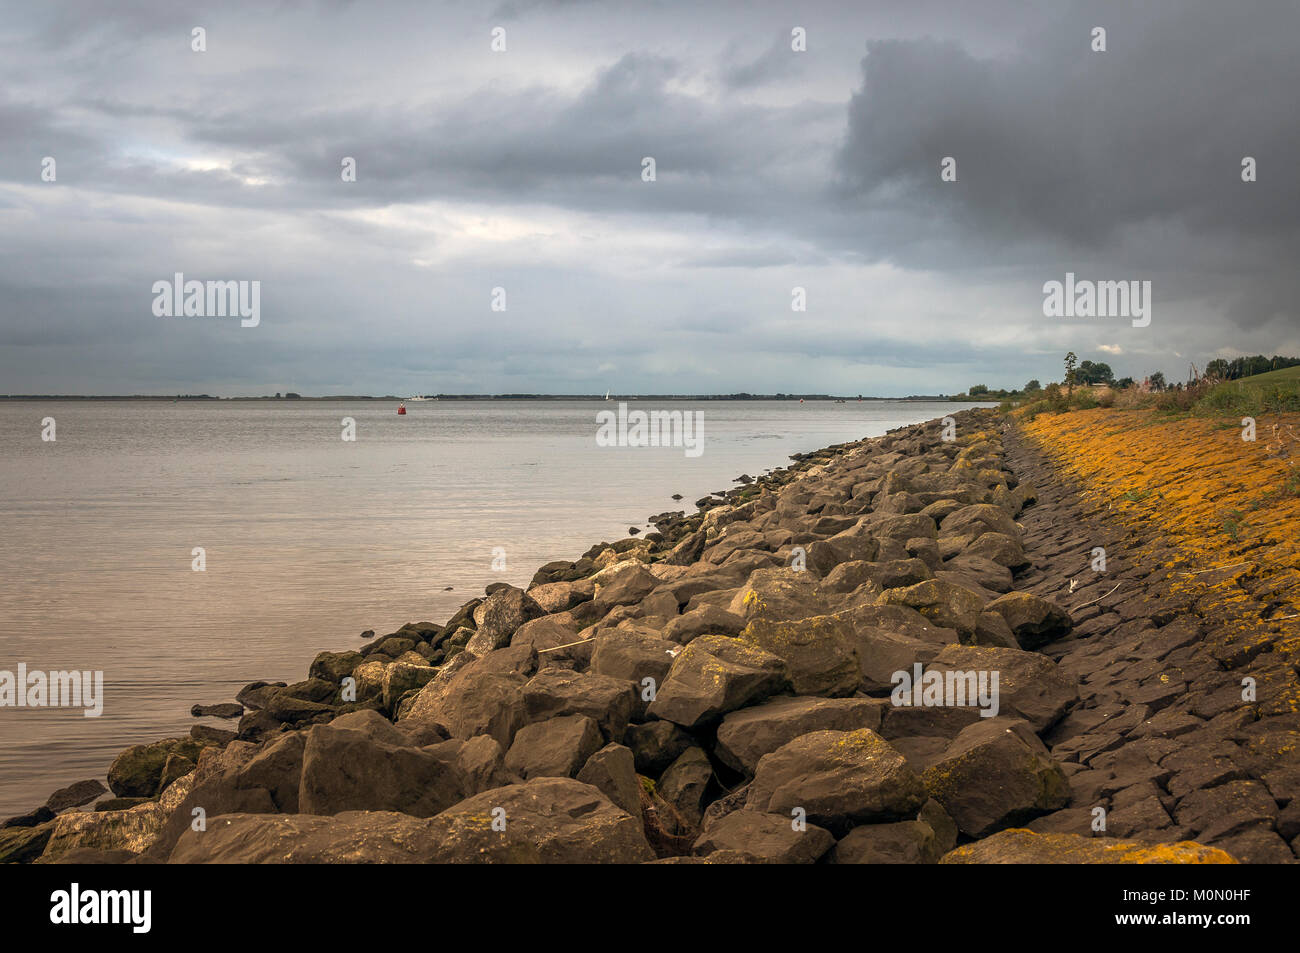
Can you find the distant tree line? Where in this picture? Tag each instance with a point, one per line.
(1240, 367)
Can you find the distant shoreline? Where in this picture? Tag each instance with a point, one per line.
(961, 398)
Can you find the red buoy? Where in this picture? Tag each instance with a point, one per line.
(401, 409)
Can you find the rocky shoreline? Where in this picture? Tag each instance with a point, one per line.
(728, 689)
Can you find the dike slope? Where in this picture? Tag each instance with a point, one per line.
(724, 690)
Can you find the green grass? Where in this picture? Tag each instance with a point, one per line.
(1274, 392)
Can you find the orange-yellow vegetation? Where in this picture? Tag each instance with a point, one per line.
(1221, 513)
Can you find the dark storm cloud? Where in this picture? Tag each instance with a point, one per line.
(1081, 149)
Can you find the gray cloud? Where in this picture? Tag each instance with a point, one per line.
(522, 170)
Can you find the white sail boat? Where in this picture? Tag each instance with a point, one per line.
(607, 395)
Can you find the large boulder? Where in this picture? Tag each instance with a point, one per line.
(545, 820)
(346, 769)
(334, 666)
(555, 692)
(1034, 621)
(1030, 686)
(553, 642)
(557, 747)
(818, 652)
(612, 769)
(944, 603)
(1020, 846)
(902, 842)
(499, 615)
(704, 620)
(22, 845)
(839, 778)
(979, 518)
(996, 774)
(625, 588)
(353, 837)
(715, 675)
(778, 595)
(998, 548)
(402, 677)
(137, 771)
(825, 554)
(766, 838)
(134, 829)
(746, 735)
(634, 656)
(473, 703)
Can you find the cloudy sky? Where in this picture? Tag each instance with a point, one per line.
(522, 169)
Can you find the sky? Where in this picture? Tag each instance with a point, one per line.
(521, 169)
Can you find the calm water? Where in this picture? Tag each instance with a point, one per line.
(309, 539)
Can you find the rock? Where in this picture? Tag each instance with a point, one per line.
(705, 620)
(1034, 621)
(903, 842)
(30, 819)
(75, 795)
(137, 771)
(1025, 847)
(612, 769)
(684, 782)
(223, 710)
(546, 634)
(546, 820)
(608, 701)
(632, 656)
(333, 666)
(945, 829)
(1030, 686)
(252, 694)
(556, 596)
(746, 735)
(715, 675)
(344, 769)
(22, 845)
(818, 653)
(903, 527)
(655, 745)
(688, 550)
(277, 768)
(176, 766)
(999, 548)
(1226, 809)
(825, 555)
(120, 803)
(943, 603)
(778, 595)
(882, 654)
(767, 838)
(993, 632)
(353, 837)
(557, 747)
(134, 828)
(500, 614)
(291, 709)
(626, 588)
(207, 735)
(996, 774)
(473, 703)
(402, 677)
(975, 571)
(978, 519)
(840, 778)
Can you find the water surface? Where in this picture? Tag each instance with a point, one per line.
(309, 539)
